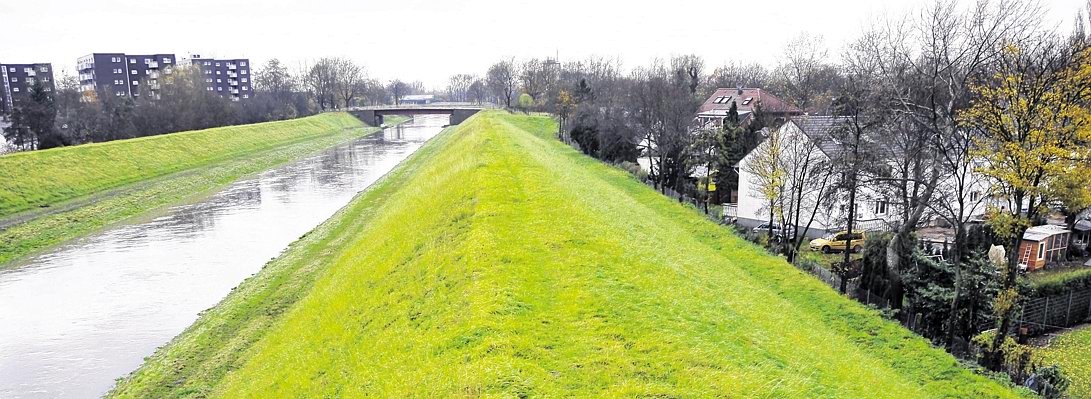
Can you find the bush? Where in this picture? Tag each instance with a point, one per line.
(634, 169)
(1061, 283)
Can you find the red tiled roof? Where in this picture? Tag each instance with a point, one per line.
(723, 97)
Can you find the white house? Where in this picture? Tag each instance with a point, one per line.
(807, 144)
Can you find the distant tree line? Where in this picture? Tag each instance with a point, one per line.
(70, 116)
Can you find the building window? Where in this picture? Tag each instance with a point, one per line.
(219, 89)
(166, 60)
(244, 88)
(243, 72)
(975, 196)
(242, 63)
(15, 89)
(132, 60)
(217, 64)
(136, 83)
(1041, 250)
(14, 79)
(244, 80)
(245, 96)
(12, 69)
(208, 63)
(217, 72)
(880, 207)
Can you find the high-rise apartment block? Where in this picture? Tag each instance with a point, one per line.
(19, 79)
(123, 74)
(230, 78)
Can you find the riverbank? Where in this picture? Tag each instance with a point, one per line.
(53, 196)
(497, 261)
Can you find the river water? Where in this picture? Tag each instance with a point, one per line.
(75, 319)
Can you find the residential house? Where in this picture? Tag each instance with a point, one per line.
(814, 140)
(747, 100)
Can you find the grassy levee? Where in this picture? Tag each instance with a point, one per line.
(1072, 352)
(51, 196)
(498, 262)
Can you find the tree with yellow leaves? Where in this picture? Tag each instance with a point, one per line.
(1033, 130)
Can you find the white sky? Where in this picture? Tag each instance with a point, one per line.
(429, 40)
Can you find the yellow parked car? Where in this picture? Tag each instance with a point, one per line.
(836, 242)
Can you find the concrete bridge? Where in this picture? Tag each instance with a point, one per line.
(374, 115)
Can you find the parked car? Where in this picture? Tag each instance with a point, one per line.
(763, 229)
(836, 242)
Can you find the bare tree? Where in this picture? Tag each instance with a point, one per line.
(321, 82)
(347, 78)
(803, 73)
(738, 75)
(477, 92)
(502, 79)
(397, 90)
(458, 87)
(532, 78)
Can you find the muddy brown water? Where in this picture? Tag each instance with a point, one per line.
(75, 319)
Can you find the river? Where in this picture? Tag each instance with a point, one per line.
(75, 319)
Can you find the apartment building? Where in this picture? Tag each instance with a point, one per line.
(122, 74)
(229, 78)
(18, 81)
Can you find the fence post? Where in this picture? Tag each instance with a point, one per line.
(1068, 310)
(1045, 314)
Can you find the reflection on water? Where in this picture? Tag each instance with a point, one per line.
(73, 320)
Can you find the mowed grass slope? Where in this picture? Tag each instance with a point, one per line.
(1072, 352)
(38, 178)
(499, 262)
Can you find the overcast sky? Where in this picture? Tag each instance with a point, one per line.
(431, 40)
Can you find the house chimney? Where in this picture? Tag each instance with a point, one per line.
(739, 86)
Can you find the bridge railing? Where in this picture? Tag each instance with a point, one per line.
(445, 105)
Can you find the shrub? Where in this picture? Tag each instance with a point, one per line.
(634, 169)
(1061, 283)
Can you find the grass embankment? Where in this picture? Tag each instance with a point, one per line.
(498, 262)
(51, 196)
(1072, 352)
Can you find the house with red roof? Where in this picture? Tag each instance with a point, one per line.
(747, 101)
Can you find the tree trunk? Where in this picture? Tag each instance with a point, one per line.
(956, 256)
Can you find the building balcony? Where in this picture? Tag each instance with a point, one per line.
(153, 65)
(234, 91)
(233, 82)
(231, 67)
(32, 73)
(232, 75)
